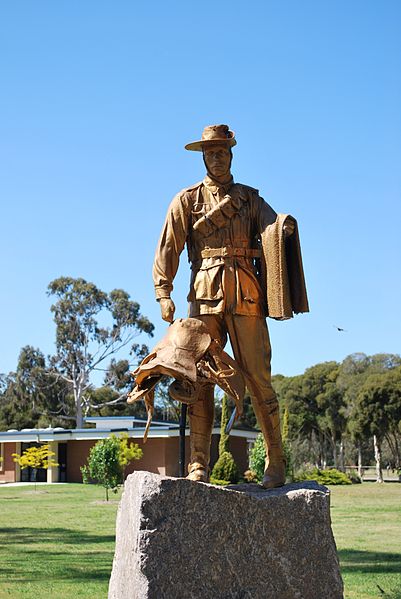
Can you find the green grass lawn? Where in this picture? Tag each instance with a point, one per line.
(367, 528)
(58, 542)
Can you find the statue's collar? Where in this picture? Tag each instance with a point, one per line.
(216, 187)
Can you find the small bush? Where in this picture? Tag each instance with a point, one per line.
(330, 476)
(107, 461)
(257, 458)
(104, 466)
(225, 469)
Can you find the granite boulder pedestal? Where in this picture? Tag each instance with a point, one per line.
(178, 539)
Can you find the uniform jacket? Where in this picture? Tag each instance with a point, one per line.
(231, 261)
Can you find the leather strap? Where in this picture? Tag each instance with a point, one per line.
(230, 252)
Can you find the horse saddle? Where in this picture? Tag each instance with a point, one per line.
(189, 355)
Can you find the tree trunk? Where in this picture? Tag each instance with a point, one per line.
(80, 420)
(78, 411)
(321, 451)
(378, 458)
(397, 451)
(391, 445)
(341, 456)
(78, 390)
(334, 446)
(360, 469)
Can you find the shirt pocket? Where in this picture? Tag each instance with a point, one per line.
(208, 283)
(248, 288)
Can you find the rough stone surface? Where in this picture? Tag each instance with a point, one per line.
(178, 539)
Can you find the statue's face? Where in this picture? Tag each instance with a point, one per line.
(217, 160)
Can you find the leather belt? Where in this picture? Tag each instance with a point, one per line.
(230, 252)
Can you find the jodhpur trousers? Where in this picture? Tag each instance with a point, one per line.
(250, 342)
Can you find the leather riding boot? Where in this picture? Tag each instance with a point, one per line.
(201, 418)
(268, 417)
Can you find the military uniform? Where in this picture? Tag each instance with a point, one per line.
(226, 292)
(245, 265)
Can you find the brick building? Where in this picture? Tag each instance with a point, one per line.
(71, 447)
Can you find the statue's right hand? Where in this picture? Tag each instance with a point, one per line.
(167, 308)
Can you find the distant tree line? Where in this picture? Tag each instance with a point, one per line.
(348, 413)
(338, 414)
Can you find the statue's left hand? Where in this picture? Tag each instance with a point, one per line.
(289, 226)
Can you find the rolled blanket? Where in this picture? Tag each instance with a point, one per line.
(285, 281)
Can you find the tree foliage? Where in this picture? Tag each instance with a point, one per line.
(107, 461)
(257, 457)
(376, 413)
(35, 457)
(225, 469)
(335, 409)
(377, 409)
(91, 327)
(33, 394)
(329, 476)
(285, 432)
(128, 452)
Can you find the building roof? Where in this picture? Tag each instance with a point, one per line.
(115, 424)
(105, 422)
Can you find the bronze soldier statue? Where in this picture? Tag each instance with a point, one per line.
(245, 265)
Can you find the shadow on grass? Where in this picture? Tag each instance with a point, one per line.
(69, 573)
(352, 560)
(27, 535)
(37, 554)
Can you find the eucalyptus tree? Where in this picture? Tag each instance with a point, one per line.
(353, 373)
(31, 395)
(92, 326)
(377, 413)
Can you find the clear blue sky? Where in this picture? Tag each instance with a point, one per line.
(97, 101)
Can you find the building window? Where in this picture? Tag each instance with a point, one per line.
(1, 457)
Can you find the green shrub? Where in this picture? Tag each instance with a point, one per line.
(107, 461)
(330, 476)
(258, 456)
(225, 469)
(104, 466)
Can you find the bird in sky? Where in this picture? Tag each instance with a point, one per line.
(339, 329)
